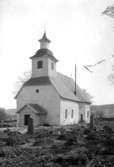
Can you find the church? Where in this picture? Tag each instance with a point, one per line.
(49, 97)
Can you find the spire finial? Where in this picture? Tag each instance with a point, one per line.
(44, 41)
(45, 28)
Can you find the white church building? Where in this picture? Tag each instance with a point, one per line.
(48, 96)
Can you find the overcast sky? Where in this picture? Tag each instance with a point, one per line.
(80, 35)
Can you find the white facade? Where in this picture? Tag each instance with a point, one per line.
(84, 110)
(47, 97)
(69, 112)
(54, 105)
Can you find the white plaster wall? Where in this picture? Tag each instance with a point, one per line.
(69, 105)
(47, 97)
(27, 110)
(87, 109)
(84, 108)
(51, 72)
(44, 45)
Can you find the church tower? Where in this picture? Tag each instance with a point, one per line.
(43, 62)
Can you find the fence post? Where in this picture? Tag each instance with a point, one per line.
(91, 121)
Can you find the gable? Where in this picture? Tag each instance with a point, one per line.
(63, 85)
(37, 109)
(35, 82)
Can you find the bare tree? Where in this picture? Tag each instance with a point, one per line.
(21, 80)
(109, 11)
(98, 114)
(87, 95)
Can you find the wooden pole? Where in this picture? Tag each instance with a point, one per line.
(75, 80)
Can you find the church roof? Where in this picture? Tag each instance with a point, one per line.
(38, 81)
(45, 52)
(40, 110)
(64, 86)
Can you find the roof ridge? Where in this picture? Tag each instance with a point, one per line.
(103, 104)
(64, 75)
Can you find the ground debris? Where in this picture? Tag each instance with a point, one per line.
(59, 147)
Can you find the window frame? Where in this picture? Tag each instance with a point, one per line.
(39, 64)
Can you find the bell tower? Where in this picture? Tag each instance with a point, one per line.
(43, 62)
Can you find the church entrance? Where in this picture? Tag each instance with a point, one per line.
(26, 119)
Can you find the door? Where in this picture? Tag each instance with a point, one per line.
(81, 118)
(26, 119)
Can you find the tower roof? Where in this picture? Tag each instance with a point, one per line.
(44, 38)
(44, 52)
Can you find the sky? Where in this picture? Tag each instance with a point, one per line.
(80, 34)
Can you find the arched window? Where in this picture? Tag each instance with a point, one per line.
(66, 113)
(52, 66)
(88, 114)
(72, 113)
(40, 64)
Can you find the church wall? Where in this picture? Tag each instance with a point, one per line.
(85, 111)
(51, 72)
(69, 106)
(27, 110)
(47, 98)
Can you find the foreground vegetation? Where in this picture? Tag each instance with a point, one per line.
(70, 146)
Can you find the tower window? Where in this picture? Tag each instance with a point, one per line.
(52, 66)
(66, 113)
(40, 64)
